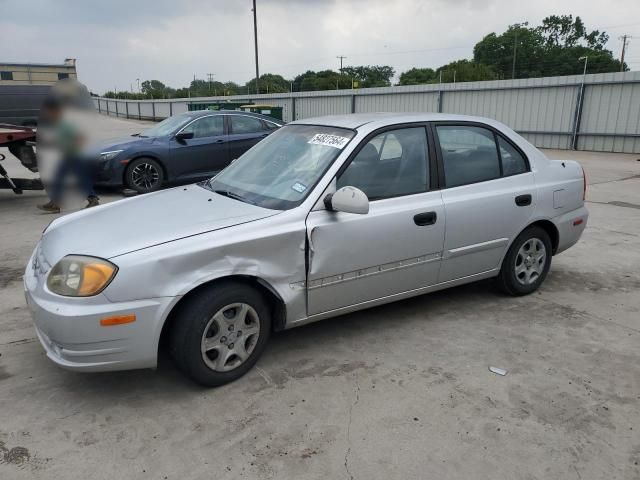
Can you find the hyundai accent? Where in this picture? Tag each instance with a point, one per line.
(323, 217)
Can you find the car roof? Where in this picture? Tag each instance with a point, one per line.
(357, 120)
(205, 113)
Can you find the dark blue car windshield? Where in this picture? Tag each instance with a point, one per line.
(167, 126)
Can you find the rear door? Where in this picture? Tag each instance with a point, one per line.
(489, 196)
(395, 247)
(204, 154)
(244, 133)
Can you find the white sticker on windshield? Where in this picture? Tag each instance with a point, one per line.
(299, 187)
(329, 140)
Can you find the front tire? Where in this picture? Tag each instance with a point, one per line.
(527, 262)
(144, 175)
(220, 333)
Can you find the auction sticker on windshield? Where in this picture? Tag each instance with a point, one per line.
(328, 140)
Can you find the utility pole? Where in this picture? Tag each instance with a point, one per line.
(210, 75)
(138, 80)
(341, 57)
(625, 41)
(454, 76)
(255, 37)
(515, 47)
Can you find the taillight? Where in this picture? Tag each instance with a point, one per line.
(584, 184)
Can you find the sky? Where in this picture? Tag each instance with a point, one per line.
(116, 42)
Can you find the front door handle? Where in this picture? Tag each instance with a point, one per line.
(426, 218)
(523, 200)
(219, 141)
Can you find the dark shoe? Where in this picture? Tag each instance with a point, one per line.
(92, 202)
(50, 207)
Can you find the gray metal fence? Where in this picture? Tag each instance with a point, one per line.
(598, 112)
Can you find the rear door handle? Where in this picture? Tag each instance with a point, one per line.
(523, 200)
(426, 218)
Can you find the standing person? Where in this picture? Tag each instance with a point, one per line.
(69, 141)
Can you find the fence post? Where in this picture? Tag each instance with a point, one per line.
(116, 107)
(577, 117)
(153, 110)
(139, 111)
(99, 111)
(126, 109)
(170, 109)
(293, 108)
(440, 94)
(353, 103)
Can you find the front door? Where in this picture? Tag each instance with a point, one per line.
(204, 154)
(489, 196)
(396, 247)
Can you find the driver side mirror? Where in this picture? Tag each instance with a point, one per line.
(348, 200)
(182, 136)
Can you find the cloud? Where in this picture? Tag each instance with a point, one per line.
(118, 41)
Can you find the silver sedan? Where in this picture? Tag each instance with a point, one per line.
(325, 216)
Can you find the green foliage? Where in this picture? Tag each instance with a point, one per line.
(465, 71)
(418, 76)
(554, 48)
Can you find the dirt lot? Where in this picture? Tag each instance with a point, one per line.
(401, 391)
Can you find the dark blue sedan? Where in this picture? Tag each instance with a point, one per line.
(184, 148)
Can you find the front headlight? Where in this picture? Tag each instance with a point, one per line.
(109, 155)
(80, 276)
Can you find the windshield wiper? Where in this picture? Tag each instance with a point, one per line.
(235, 196)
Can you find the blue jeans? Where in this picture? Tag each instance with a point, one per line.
(78, 168)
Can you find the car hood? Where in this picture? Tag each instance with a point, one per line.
(120, 144)
(140, 222)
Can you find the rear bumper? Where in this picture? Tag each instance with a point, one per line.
(570, 227)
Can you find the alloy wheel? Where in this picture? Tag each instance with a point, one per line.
(145, 176)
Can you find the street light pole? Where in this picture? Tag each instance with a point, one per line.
(255, 37)
(584, 72)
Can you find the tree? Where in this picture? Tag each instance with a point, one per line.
(418, 76)
(269, 83)
(547, 50)
(465, 71)
(371, 75)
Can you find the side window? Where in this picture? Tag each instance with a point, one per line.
(513, 162)
(469, 154)
(271, 126)
(391, 164)
(245, 124)
(207, 127)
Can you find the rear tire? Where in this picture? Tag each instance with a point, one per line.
(144, 175)
(220, 333)
(527, 262)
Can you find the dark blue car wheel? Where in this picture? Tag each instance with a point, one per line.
(144, 175)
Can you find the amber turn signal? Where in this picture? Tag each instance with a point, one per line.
(117, 320)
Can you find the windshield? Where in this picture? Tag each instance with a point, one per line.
(167, 126)
(281, 170)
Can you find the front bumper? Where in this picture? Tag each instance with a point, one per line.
(69, 328)
(109, 173)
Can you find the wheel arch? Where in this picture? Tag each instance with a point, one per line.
(551, 229)
(273, 298)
